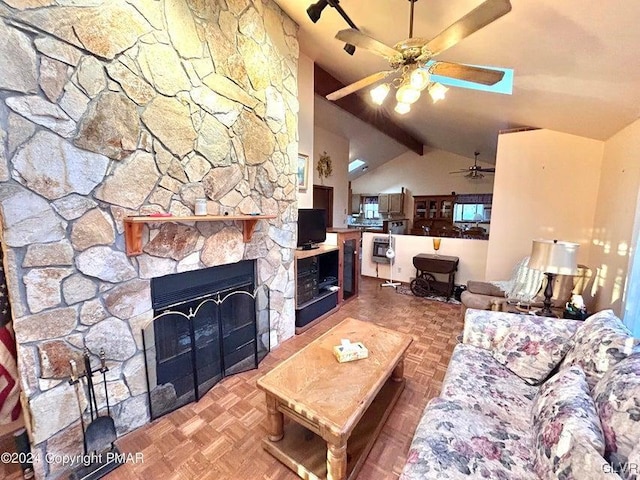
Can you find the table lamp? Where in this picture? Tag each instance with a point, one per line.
(553, 258)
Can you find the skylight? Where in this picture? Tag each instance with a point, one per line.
(504, 86)
(355, 164)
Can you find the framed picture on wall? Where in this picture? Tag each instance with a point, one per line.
(303, 171)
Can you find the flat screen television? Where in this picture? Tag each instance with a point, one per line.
(312, 227)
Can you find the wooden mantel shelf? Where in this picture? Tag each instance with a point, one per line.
(133, 226)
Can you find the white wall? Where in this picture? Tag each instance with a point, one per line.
(423, 175)
(337, 148)
(472, 255)
(615, 215)
(546, 186)
(305, 121)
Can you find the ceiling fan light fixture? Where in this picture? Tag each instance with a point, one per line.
(407, 94)
(402, 108)
(315, 10)
(419, 79)
(437, 91)
(379, 93)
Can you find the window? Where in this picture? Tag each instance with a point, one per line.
(466, 212)
(355, 164)
(631, 315)
(370, 207)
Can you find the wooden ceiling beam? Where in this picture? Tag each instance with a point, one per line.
(325, 83)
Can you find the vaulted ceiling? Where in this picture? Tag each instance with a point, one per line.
(576, 68)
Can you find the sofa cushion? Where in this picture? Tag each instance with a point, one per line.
(529, 346)
(617, 399)
(564, 416)
(585, 462)
(485, 288)
(453, 441)
(478, 301)
(599, 343)
(476, 379)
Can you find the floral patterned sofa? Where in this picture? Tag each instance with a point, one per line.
(529, 397)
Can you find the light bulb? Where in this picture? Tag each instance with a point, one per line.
(402, 108)
(407, 94)
(419, 79)
(379, 93)
(437, 91)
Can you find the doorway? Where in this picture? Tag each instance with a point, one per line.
(323, 198)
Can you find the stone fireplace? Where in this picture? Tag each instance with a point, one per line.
(116, 108)
(208, 324)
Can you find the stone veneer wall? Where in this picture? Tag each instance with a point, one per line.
(112, 108)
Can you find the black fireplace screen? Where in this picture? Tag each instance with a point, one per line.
(207, 325)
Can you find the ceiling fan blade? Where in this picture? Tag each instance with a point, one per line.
(486, 170)
(355, 86)
(473, 21)
(468, 73)
(359, 39)
(460, 171)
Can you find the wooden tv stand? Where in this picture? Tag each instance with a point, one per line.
(316, 282)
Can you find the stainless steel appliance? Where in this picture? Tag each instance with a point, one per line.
(397, 227)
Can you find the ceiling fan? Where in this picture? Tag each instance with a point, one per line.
(474, 171)
(409, 58)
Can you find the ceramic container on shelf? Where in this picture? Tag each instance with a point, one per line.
(201, 206)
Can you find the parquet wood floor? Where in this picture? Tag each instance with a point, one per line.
(219, 438)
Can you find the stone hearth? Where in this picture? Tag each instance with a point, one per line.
(115, 108)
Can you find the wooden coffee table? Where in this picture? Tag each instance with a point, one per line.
(337, 409)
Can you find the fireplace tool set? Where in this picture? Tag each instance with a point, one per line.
(100, 433)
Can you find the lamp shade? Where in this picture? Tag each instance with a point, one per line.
(379, 93)
(419, 79)
(402, 108)
(407, 94)
(552, 256)
(437, 91)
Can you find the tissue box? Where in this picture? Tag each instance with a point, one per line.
(347, 351)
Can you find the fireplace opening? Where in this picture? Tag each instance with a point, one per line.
(207, 324)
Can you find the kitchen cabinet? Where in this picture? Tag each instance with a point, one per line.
(433, 206)
(383, 203)
(396, 202)
(432, 211)
(355, 203)
(390, 203)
